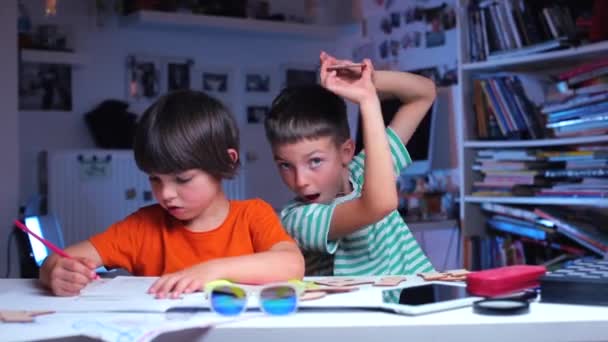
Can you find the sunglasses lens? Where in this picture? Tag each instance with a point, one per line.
(228, 300)
(279, 300)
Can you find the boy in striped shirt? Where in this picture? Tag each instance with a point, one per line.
(344, 217)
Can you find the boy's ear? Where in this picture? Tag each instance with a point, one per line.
(234, 155)
(347, 151)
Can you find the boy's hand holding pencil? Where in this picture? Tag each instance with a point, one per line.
(68, 274)
(353, 81)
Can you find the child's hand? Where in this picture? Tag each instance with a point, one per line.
(70, 275)
(173, 285)
(353, 84)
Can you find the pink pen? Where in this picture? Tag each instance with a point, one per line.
(44, 241)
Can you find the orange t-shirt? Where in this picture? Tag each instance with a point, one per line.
(150, 242)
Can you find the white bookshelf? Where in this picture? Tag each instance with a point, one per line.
(170, 20)
(52, 57)
(471, 216)
(571, 201)
(543, 60)
(535, 143)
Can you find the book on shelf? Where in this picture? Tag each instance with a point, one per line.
(573, 102)
(516, 212)
(584, 228)
(510, 28)
(555, 245)
(519, 227)
(534, 235)
(530, 49)
(573, 172)
(502, 99)
(582, 72)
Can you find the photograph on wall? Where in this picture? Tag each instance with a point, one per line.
(257, 82)
(438, 20)
(300, 76)
(256, 114)
(178, 76)
(411, 39)
(413, 14)
(143, 78)
(45, 87)
(214, 82)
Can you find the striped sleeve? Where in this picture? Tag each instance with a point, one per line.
(401, 157)
(309, 226)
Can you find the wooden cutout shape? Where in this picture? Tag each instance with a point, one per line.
(21, 316)
(458, 273)
(333, 289)
(344, 282)
(453, 278)
(312, 295)
(432, 276)
(390, 281)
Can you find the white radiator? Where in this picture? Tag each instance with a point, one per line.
(88, 190)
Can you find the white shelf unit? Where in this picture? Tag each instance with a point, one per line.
(52, 57)
(548, 59)
(570, 201)
(157, 19)
(471, 215)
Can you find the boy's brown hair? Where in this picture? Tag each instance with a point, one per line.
(186, 130)
(306, 112)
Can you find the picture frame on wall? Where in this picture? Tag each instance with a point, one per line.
(143, 79)
(46, 87)
(257, 81)
(256, 114)
(303, 74)
(219, 82)
(178, 75)
(215, 82)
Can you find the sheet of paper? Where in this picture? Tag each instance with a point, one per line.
(120, 294)
(124, 327)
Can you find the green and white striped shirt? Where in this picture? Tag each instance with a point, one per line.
(383, 248)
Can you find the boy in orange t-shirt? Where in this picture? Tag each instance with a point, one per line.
(187, 142)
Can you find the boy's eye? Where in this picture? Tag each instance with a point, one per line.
(315, 162)
(284, 166)
(153, 179)
(182, 180)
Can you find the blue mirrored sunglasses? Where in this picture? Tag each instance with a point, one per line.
(231, 300)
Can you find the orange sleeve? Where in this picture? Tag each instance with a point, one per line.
(266, 228)
(119, 245)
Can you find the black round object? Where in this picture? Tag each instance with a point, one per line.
(501, 306)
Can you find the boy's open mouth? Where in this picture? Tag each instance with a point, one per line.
(310, 198)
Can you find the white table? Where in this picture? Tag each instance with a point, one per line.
(544, 322)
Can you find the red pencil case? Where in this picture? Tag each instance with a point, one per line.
(504, 280)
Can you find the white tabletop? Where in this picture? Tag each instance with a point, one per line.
(544, 322)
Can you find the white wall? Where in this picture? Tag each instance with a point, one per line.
(103, 73)
(9, 148)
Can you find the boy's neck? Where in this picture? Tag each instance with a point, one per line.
(212, 217)
(346, 187)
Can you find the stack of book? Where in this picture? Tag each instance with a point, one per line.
(511, 172)
(509, 28)
(578, 103)
(538, 235)
(579, 172)
(502, 109)
(585, 172)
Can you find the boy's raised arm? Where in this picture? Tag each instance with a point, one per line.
(417, 94)
(378, 194)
